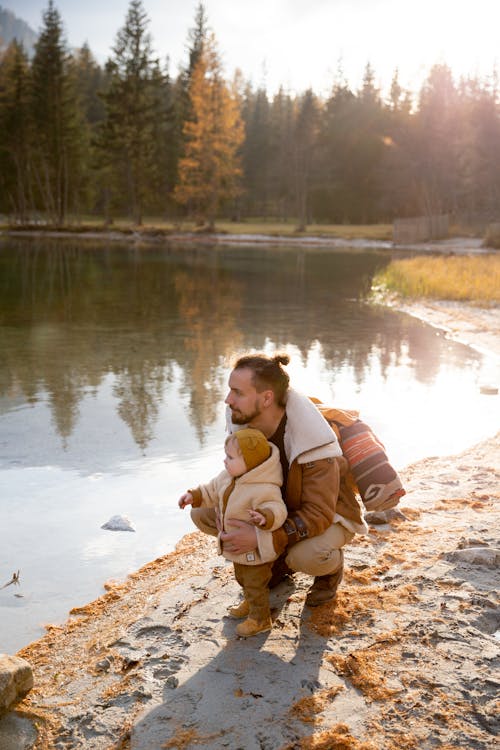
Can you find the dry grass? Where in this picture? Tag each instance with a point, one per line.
(335, 738)
(361, 670)
(459, 278)
(307, 709)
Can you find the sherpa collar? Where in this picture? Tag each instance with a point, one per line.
(308, 436)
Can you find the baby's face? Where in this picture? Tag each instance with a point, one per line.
(234, 463)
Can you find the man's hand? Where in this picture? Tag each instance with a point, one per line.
(243, 537)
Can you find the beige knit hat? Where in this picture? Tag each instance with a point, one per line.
(253, 446)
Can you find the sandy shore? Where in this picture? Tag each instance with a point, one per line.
(407, 656)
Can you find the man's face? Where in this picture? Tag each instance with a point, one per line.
(243, 400)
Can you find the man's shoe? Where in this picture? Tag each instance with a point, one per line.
(280, 571)
(251, 627)
(324, 588)
(241, 610)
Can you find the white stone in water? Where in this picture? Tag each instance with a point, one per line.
(118, 523)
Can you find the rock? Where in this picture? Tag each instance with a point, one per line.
(487, 556)
(465, 543)
(103, 665)
(17, 733)
(118, 523)
(16, 680)
(378, 517)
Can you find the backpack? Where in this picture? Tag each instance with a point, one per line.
(370, 473)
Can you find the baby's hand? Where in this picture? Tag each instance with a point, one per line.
(185, 499)
(257, 518)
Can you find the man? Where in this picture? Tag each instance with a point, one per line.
(323, 515)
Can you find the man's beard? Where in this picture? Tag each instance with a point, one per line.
(240, 418)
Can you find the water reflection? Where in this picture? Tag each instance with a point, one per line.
(72, 314)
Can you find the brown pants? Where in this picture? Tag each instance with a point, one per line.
(318, 556)
(254, 580)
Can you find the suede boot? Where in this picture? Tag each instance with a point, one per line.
(252, 626)
(324, 588)
(280, 571)
(241, 610)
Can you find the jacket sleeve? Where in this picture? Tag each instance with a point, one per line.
(316, 507)
(206, 495)
(273, 508)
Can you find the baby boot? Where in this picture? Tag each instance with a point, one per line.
(251, 626)
(241, 610)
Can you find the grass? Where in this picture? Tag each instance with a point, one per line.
(158, 225)
(474, 279)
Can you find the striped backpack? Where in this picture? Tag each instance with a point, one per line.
(370, 473)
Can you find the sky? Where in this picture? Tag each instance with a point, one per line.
(301, 43)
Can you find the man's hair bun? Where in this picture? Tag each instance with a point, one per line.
(282, 359)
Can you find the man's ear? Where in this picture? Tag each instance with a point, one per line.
(268, 397)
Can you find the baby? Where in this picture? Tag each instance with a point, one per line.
(248, 490)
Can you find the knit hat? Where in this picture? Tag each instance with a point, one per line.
(253, 446)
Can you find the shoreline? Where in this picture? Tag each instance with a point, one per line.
(451, 245)
(476, 327)
(149, 664)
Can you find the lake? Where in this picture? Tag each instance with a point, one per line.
(113, 370)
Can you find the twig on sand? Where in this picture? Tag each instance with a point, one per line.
(14, 580)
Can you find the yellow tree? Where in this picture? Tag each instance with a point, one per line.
(209, 171)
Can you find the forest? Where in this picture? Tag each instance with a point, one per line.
(129, 139)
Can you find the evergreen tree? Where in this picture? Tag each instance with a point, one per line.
(479, 151)
(281, 153)
(305, 144)
(89, 81)
(397, 194)
(58, 155)
(257, 151)
(209, 171)
(335, 195)
(133, 101)
(15, 126)
(437, 135)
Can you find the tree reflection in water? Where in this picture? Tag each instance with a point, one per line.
(74, 314)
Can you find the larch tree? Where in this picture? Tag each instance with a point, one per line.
(209, 170)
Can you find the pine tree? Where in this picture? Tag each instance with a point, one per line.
(209, 171)
(15, 126)
(479, 151)
(133, 102)
(437, 134)
(281, 153)
(57, 121)
(257, 151)
(305, 144)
